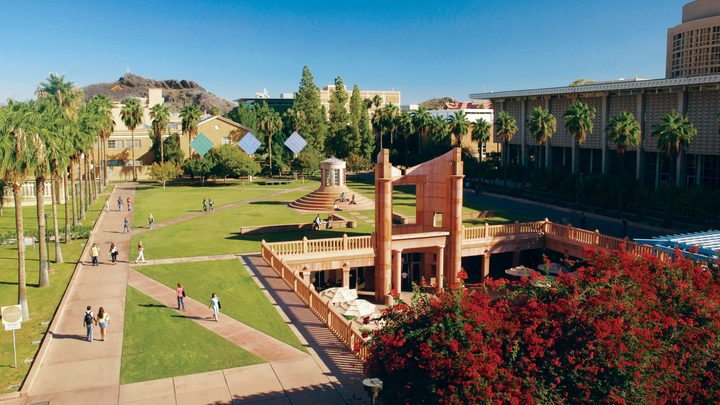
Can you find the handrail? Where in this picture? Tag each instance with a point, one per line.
(306, 246)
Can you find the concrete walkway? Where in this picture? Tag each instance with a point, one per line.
(74, 371)
(194, 215)
(248, 338)
(187, 259)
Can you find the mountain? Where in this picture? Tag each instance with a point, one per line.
(437, 103)
(177, 93)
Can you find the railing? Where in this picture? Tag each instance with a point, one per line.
(306, 245)
(490, 231)
(341, 327)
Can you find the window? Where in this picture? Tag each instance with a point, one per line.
(226, 140)
(115, 163)
(137, 143)
(114, 144)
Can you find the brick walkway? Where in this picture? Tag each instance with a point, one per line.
(74, 371)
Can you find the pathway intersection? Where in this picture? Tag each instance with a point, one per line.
(73, 371)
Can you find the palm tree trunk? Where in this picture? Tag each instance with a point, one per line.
(270, 152)
(42, 230)
(22, 286)
(55, 189)
(162, 152)
(105, 166)
(132, 136)
(88, 183)
(81, 197)
(68, 234)
(73, 193)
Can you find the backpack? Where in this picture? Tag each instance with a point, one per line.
(88, 320)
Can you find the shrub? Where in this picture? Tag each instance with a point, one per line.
(623, 329)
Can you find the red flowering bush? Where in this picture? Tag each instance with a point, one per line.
(623, 329)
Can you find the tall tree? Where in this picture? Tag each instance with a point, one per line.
(406, 129)
(388, 121)
(367, 140)
(481, 131)
(459, 126)
(542, 125)
(106, 125)
(269, 123)
(505, 129)
(337, 141)
(624, 131)
(377, 101)
(160, 115)
(440, 133)
(309, 113)
(132, 115)
(579, 123)
(20, 149)
(422, 120)
(674, 134)
(190, 116)
(356, 117)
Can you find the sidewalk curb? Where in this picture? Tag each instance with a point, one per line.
(57, 316)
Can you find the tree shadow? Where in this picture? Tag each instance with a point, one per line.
(153, 305)
(193, 317)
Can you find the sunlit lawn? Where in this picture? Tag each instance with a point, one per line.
(42, 302)
(160, 343)
(241, 298)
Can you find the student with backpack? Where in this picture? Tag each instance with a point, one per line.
(215, 305)
(88, 321)
(119, 203)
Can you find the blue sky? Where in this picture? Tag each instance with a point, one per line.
(424, 49)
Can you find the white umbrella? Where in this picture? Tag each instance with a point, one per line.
(337, 295)
(357, 308)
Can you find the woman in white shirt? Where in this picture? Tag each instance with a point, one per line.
(103, 320)
(215, 305)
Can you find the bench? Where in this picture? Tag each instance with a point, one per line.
(277, 182)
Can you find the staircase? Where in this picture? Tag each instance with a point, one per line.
(323, 201)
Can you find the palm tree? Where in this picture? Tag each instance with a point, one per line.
(624, 131)
(579, 123)
(505, 128)
(132, 115)
(439, 132)
(269, 123)
(106, 125)
(406, 128)
(675, 132)
(376, 101)
(160, 115)
(20, 149)
(481, 131)
(422, 120)
(388, 121)
(190, 116)
(542, 125)
(459, 126)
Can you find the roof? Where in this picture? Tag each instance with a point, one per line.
(707, 243)
(620, 85)
(223, 119)
(333, 160)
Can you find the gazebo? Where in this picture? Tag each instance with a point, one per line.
(333, 185)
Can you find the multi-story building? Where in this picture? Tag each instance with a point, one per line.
(697, 97)
(387, 96)
(693, 47)
(473, 112)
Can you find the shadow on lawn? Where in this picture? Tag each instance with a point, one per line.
(153, 305)
(289, 236)
(268, 202)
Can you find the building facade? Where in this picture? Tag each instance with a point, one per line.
(387, 96)
(693, 47)
(473, 112)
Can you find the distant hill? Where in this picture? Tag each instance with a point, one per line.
(177, 93)
(437, 103)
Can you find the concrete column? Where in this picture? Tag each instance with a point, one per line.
(523, 135)
(486, 265)
(573, 150)
(427, 266)
(383, 227)
(639, 156)
(657, 169)
(698, 169)
(346, 276)
(604, 110)
(439, 267)
(455, 220)
(397, 270)
(547, 144)
(680, 161)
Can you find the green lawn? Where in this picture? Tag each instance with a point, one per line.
(42, 302)
(178, 200)
(219, 233)
(159, 343)
(240, 296)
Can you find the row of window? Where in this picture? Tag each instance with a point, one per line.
(120, 144)
(117, 163)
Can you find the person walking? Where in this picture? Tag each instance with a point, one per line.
(212, 205)
(119, 203)
(113, 252)
(88, 321)
(126, 226)
(180, 293)
(204, 205)
(107, 206)
(215, 305)
(141, 253)
(129, 203)
(103, 320)
(94, 254)
(151, 221)
(316, 222)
